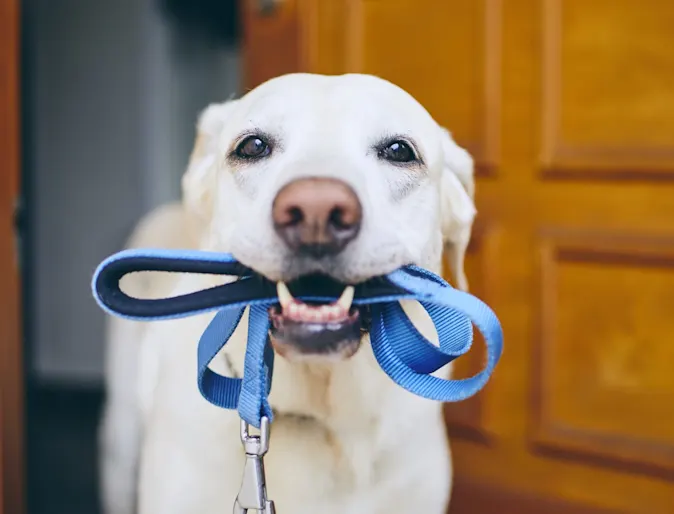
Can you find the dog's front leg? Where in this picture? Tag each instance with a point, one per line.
(184, 477)
(191, 459)
(419, 470)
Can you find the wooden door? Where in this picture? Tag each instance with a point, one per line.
(11, 370)
(568, 108)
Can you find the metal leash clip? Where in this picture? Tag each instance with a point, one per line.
(253, 492)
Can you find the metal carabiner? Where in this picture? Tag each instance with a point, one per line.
(253, 492)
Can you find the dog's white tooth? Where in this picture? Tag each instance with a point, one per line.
(310, 314)
(326, 312)
(294, 310)
(335, 312)
(285, 298)
(346, 299)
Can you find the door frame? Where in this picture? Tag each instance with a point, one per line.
(11, 352)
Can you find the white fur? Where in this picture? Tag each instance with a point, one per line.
(346, 439)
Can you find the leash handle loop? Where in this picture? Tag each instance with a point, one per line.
(403, 353)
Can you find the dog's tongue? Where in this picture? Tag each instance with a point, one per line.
(296, 310)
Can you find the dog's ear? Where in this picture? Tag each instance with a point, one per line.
(457, 208)
(198, 182)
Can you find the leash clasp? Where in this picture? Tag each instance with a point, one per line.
(253, 492)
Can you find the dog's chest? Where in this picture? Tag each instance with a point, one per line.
(311, 470)
(304, 449)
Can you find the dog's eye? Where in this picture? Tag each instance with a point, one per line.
(253, 147)
(398, 151)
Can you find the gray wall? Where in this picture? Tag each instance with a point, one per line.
(114, 97)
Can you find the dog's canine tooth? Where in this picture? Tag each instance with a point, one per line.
(346, 299)
(284, 296)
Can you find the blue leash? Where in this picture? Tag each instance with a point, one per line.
(405, 355)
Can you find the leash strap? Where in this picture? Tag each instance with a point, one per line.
(403, 353)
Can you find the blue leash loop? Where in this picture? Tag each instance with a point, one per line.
(405, 355)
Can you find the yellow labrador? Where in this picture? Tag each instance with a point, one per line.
(347, 177)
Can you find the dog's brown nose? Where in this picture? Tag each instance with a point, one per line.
(317, 217)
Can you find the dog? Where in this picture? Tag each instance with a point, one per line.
(347, 177)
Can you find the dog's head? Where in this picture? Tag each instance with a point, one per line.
(328, 180)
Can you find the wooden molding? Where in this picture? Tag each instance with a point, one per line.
(488, 156)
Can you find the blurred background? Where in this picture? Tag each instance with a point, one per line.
(567, 107)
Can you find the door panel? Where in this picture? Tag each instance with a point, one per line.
(611, 403)
(607, 86)
(11, 368)
(568, 107)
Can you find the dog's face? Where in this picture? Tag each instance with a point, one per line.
(328, 180)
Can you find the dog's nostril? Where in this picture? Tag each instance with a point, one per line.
(337, 218)
(295, 216)
(288, 217)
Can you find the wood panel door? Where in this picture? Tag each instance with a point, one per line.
(568, 108)
(11, 369)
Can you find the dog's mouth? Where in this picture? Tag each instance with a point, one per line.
(318, 329)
